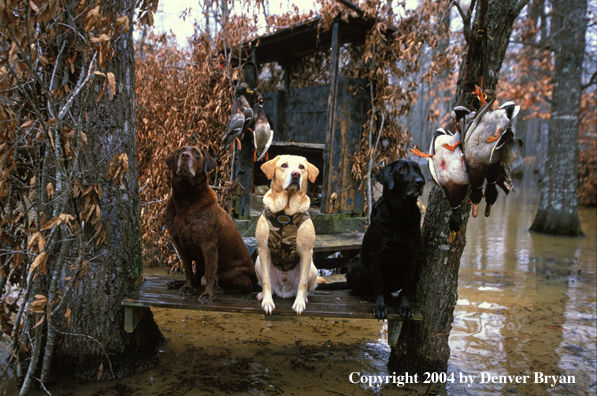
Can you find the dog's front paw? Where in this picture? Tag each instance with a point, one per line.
(380, 311)
(404, 309)
(300, 304)
(268, 305)
(175, 284)
(185, 290)
(206, 298)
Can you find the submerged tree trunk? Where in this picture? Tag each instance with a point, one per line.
(558, 208)
(424, 346)
(95, 337)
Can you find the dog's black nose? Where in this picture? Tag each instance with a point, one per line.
(419, 182)
(185, 155)
(296, 174)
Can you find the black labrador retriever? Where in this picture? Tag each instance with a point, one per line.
(392, 243)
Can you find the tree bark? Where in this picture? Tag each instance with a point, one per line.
(558, 207)
(96, 335)
(423, 346)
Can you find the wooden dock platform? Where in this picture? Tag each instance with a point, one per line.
(154, 292)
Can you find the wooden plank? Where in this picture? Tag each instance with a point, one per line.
(309, 146)
(335, 242)
(307, 127)
(153, 292)
(328, 157)
(308, 99)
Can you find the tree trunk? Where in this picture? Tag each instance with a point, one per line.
(423, 346)
(558, 207)
(96, 335)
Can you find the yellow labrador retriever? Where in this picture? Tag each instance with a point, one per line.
(285, 234)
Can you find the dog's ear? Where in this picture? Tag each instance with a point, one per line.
(269, 168)
(384, 176)
(312, 172)
(170, 161)
(210, 163)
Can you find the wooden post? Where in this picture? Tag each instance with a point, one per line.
(245, 163)
(394, 328)
(132, 317)
(327, 152)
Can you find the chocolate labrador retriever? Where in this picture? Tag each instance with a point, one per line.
(392, 243)
(202, 231)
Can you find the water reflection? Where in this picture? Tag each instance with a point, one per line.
(527, 302)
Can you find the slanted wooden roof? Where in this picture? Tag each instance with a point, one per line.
(301, 39)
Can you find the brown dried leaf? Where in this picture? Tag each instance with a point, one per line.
(103, 90)
(124, 22)
(51, 223)
(67, 315)
(38, 305)
(39, 261)
(50, 190)
(41, 320)
(112, 82)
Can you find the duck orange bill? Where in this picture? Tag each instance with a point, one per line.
(475, 210)
(480, 94)
(420, 154)
(495, 137)
(451, 148)
(452, 237)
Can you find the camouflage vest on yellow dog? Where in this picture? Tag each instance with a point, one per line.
(282, 238)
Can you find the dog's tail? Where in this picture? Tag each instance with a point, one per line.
(332, 285)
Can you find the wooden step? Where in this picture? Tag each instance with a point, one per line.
(154, 292)
(310, 146)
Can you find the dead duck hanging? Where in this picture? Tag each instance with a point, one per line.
(262, 132)
(489, 146)
(448, 170)
(240, 118)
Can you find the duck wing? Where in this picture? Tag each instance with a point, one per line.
(234, 126)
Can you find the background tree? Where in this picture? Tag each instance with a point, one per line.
(558, 208)
(424, 346)
(70, 231)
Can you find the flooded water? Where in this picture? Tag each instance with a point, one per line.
(527, 304)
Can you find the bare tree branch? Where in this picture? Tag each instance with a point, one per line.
(592, 81)
(460, 10)
(353, 7)
(519, 6)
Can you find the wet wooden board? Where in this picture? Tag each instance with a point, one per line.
(336, 242)
(154, 292)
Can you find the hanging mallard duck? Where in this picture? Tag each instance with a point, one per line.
(240, 118)
(234, 126)
(262, 132)
(448, 169)
(489, 146)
